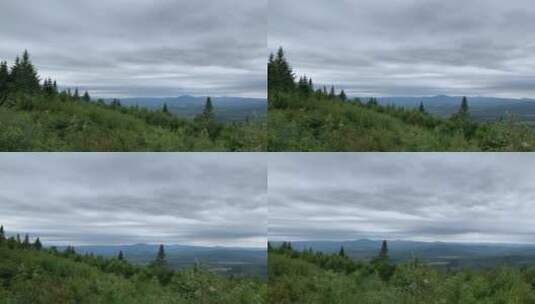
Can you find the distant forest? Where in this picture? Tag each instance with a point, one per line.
(31, 273)
(36, 116)
(314, 277)
(303, 117)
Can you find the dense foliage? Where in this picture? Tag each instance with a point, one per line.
(304, 118)
(313, 277)
(34, 275)
(38, 117)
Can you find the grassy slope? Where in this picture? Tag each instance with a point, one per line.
(35, 277)
(44, 124)
(294, 280)
(321, 124)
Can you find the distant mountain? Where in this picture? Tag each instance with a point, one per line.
(225, 260)
(435, 253)
(481, 108)
(226, 108)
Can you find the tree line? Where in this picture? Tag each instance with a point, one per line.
(282, 79)
(340, 261)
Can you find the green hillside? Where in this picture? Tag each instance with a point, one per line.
(313, 277)
(36, 116)
(30, 274)
(305, 118)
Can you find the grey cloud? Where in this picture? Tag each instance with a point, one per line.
(428, 196)
(188, 198)
(125, 44)
(410, 47)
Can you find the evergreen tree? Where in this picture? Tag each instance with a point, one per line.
(76, 94)
(343, 95)
(4, 78)
(2, 233)
(332, 93)
(421, 108)
(165, 110)
(383, 253)
(208, 111)
(280, 74)
(463, 109)
(86, 97)
(342, 252)
(37, 244)
(18, 239)
(26, 242)
(23, 77)
(160, 260)
(120, 257)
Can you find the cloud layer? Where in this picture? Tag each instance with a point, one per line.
(126, 198)
(410, 47)
(142, 47)
(472, 197)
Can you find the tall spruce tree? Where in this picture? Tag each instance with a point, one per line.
(26, 242)
(2, 233)
(86, 97)
(383, 253)
(332, 93)
(23, 77)
(421, 107)
(120, 256)
(280, 75)
(463, 109)
(342, 252)
(164, 109)
(208, 111)
(37, 244)
(4, 78)
(343, 95)
(160, 260)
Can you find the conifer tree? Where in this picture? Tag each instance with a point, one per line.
(160, 257)
(2, 233)
(18, 239)
(343, 95)
(86, 97)
(37, 244)
(120, 257)
(23, 77)
(342, 252)
(208, 111)
(332, 94)
(463, 109)
(4, 78)
(280, 74)
(383, 253)
(26, 242)
(76, 94)
(421, 108)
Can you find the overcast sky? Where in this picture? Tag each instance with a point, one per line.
(410, 47)
(142, 47)
(485, 197)
(125, 198)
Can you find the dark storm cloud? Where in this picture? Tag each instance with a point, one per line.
(474, 197)
(142, 47)
(412, 47)
(203, 199)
